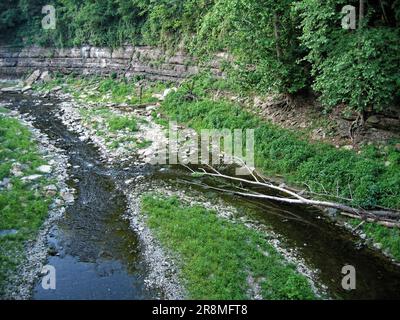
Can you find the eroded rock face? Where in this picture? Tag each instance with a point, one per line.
(130, 61)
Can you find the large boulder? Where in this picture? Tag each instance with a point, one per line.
(11, 90)
(45, 76)
(35, 75)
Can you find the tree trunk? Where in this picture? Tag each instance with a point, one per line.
(362, 10)
(277, 36)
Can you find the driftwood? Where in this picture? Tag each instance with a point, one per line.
(388, 218)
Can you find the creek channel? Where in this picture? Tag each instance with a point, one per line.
(98, 256)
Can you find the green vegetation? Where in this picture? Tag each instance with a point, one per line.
(388, 238)
(93, 89)
(370, 178)
(116, 123)
(23, 205)
(217, 257)
(363, 177)
(98, 93)
(359, 68)
(285, 46)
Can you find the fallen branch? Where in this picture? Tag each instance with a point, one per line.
(386, 223)
(292, 197)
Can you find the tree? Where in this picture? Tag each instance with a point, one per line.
(359, 68)
(262, 37)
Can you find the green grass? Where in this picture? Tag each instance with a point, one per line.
(104, 90)
(143, 144)
(22, 207)
(217, 255)
(388, 238)
(116, 123)
(370, 178)
(364, 177)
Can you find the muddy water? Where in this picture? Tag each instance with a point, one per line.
(97, 256)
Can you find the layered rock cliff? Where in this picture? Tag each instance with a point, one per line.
(130, 61)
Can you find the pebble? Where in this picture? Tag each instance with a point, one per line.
(67, 196)
(44, 169)
(8, 232)
(32, 177)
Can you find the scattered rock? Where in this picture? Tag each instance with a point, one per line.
(56, 89)
(67, 196)
(51, 190)
(44, 169)
(45, 76)
(127, 182)
(387, 163)
(26, 88)
(16, 169)
(158, 96)
(373, 120)
(168, 91)
(5, 182)
(11, 90)
(33, 78)
(32, 177)
(348, 147)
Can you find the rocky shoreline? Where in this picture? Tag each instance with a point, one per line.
(20, 284)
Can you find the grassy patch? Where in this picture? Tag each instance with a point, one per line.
(218, 256)
(23, 205)
(116, 123)
(143, 144)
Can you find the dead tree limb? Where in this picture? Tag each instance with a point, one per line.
(290, 197)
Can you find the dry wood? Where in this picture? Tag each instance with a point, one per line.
(386, 218)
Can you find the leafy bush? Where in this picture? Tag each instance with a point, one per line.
(116, 123)
(360, 68)
(268, 52)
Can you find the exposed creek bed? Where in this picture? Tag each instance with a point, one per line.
(103, 250)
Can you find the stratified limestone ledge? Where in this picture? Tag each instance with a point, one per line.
(149, 62)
